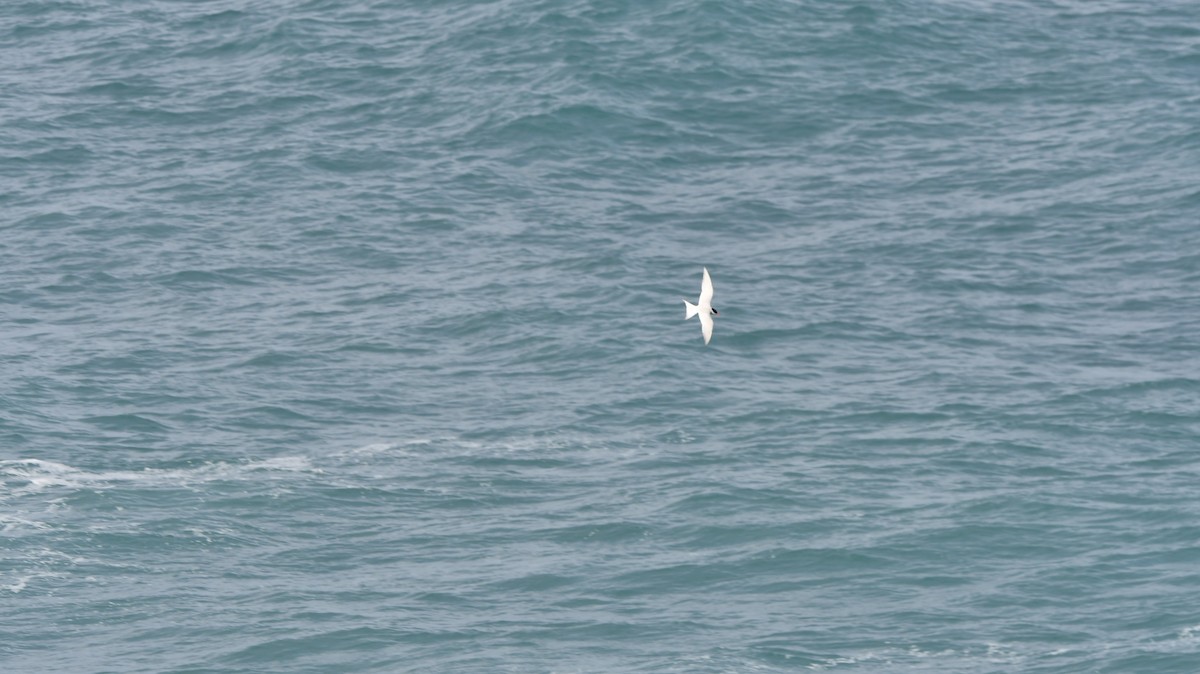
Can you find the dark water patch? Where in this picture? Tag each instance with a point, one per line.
(98, 366)
(271, 651)
(536, 583)
(127, 423)
(273, 359)
(197, 280)
(352, 162)
(126, 89)
(601, 533)
(73, 156)
(277, 412)
(222, 20)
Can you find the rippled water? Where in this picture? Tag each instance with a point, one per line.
(347, 337)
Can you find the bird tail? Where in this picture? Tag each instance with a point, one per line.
(692, 310)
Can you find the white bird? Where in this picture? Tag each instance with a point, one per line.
(703, 307)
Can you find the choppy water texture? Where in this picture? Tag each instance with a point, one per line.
(347, 337)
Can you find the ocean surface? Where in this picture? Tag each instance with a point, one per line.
(347, 337)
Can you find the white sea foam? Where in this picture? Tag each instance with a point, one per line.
(21, 582)
(23, 476)
(10, 523)
(830, 663)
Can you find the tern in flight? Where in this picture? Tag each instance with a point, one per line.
(703, 306)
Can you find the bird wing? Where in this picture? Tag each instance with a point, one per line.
(706, 290)
(706, 323)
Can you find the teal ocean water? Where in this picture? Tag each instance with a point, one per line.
(348, 336)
